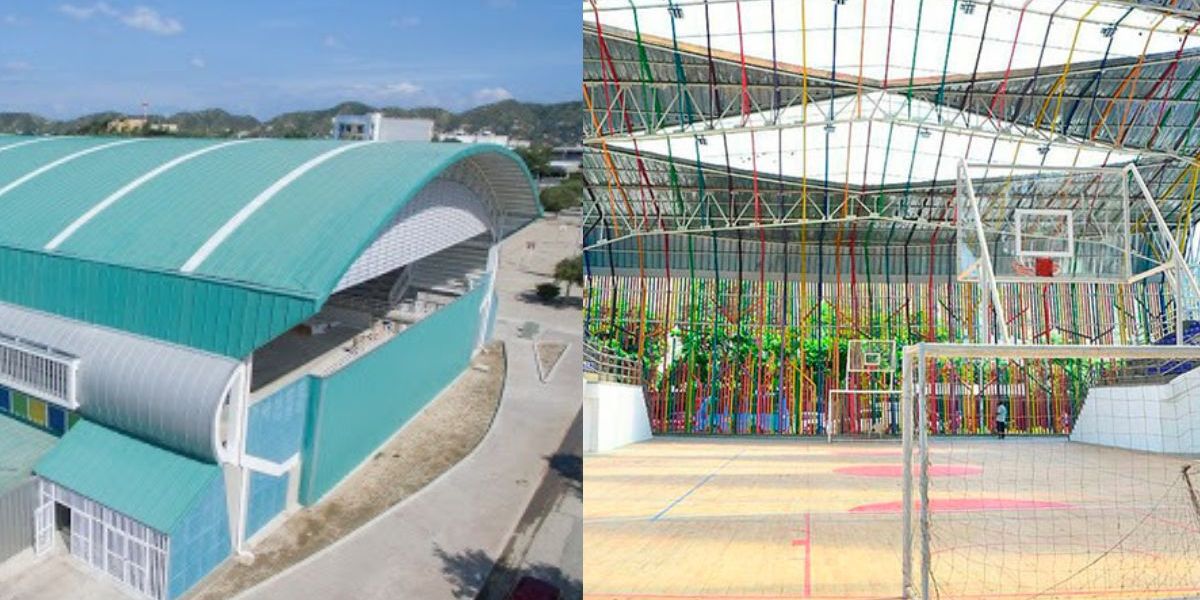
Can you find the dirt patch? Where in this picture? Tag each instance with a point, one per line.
(443, 434)
(548, 354)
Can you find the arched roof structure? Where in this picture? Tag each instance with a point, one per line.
(222, 245)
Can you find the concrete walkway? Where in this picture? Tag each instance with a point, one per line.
(442, 541)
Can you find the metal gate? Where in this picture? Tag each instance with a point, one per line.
(120, 547)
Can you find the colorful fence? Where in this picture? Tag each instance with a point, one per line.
(760, 357)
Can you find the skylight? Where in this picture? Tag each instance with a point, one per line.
(895, 47)
(919, 147)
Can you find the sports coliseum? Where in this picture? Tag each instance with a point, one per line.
(199, 336)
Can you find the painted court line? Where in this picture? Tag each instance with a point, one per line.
(695, 487)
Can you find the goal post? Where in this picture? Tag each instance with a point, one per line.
(1108, 508)
(866, 403)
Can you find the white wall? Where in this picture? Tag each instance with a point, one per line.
(614, 415)
(1154, 418)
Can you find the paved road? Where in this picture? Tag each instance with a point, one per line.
(443, 541)
(548, 543)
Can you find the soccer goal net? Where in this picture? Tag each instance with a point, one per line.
(1107, 508)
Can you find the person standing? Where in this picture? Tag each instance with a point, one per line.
(1001, 420)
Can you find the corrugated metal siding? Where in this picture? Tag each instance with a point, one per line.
(16, 518)
(356, 409)
(200, 313)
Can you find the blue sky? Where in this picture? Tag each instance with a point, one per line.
(264, 57)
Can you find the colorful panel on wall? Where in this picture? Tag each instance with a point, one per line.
(39, 413)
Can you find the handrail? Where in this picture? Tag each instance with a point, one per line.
(601, 365)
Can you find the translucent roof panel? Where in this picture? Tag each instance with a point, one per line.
(882, 152)
(903, 42)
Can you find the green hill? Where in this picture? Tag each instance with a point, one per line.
(553, 124)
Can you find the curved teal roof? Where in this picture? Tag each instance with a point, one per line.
(215, 244)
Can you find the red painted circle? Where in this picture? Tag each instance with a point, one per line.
(898, 470)
(869, 452)
(966, 505)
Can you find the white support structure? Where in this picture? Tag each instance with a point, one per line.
(982, 225)
(875, 361)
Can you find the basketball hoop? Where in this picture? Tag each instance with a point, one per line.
(1043, 266)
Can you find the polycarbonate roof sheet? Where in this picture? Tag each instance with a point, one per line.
(917, 40)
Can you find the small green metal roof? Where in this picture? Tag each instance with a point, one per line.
(216, 244)
(140, 480)
(21, 446)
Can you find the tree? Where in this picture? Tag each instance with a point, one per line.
(547, 292)
(560, 197)
(570, 271)
(537, 158)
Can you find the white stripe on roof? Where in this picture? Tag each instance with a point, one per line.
(247, 211)
(26, 143)
(130, 187)
(66, 159)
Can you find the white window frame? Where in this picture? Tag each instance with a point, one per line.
(40, 371)
(110, 543)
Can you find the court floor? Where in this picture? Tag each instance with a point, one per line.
(740, 518)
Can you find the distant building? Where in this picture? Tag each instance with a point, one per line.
(484, 136)
(568, 159)
(126, 125)
(376, 127)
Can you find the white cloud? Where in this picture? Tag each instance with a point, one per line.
(492, 94)
(501, 3)
(142, 18)
(83, 13)
(148, 19)
(12, 20)
(404, 88)
(331, 42)
(406, 22)
(17, 65)
(198, 62)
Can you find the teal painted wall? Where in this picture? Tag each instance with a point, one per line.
(352, 412)
(200, 541)
(209, 315)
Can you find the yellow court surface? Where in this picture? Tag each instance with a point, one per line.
(740, 518)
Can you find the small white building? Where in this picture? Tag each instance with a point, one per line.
(485, 136)
(374, 126)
